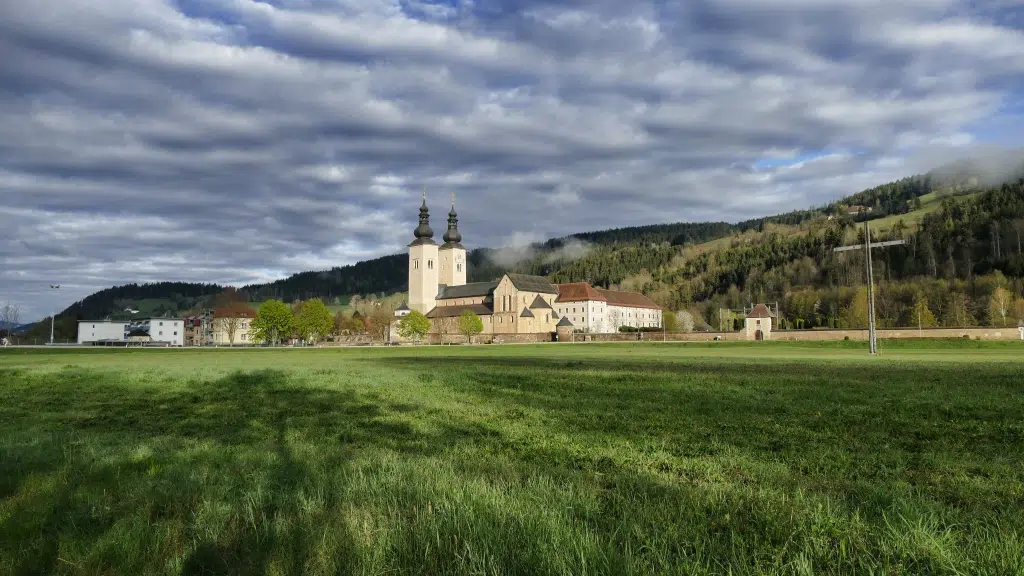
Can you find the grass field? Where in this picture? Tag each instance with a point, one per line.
(558, 459)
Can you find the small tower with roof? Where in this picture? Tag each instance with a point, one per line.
(758, 323)
(423, 264)
(452, 254)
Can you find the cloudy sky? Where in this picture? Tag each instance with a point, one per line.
(239, 140)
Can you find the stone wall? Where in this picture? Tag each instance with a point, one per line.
(1007, 333)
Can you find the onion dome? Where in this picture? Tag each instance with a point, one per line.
(424, 232)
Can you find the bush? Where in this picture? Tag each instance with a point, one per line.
(643, 329)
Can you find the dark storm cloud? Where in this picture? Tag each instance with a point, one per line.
(237, 141)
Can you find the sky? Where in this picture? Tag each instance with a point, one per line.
(239, 141)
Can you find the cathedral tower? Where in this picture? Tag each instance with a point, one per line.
(423, 264)
(452, 254)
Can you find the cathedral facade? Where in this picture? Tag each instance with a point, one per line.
(512, 304)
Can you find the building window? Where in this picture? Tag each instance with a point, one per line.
(458, 267)
(242, 337)
(416, 264)
(161, 332)
(175, 332)
(161, 323)
(430, 264)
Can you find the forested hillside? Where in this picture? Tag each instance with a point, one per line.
(963, 239)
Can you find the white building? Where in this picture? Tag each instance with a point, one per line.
(163, 330)
(90, 331)
(758, 323)
(601, 311)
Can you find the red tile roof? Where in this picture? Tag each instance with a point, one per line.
(578, 292)
(628, 299)
(235, 312)
(760, 311)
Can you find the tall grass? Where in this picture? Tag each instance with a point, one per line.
(515, 460)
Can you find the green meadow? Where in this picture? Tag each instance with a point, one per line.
(636, 458)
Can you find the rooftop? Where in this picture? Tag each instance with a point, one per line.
(472, 290)
(454, 311)
(760, 311)
(528, 283)
(628, 299)
(578, 292)
(540, 303)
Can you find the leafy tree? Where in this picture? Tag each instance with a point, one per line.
(348, 324)
(1000, 304)
(313, 322)
(470, 325)
(273, 321)
(922, 314)
(958, 310)
(855, 315)
(1018, 311)
(669, 321)
(414, 326)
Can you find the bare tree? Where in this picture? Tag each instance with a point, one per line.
(229, 325)
(445, 327)
(379, 323)
(10, 318)
(614, 319)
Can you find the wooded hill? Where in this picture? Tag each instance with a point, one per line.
(962, 229)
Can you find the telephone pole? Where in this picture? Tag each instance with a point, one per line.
(867, 246)
(53, 317)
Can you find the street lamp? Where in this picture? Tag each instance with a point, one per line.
(54, 315)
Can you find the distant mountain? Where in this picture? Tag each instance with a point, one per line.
(604, 257)
(4, 326)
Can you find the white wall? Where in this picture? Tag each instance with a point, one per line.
(601, 317)
(589, 315)
(634, 317)
(93, 331)
(170, 331)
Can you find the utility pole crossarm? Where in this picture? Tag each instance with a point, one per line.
(873, 245)
(867, 246)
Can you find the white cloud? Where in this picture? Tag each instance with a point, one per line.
(235, 140)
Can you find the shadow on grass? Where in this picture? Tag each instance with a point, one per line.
(833, 425)
(84, 439)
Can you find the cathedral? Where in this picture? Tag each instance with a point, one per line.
(512, 304)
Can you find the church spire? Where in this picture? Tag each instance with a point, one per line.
(424, 233)
(452, 237)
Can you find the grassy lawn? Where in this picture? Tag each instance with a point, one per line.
(559, 459)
